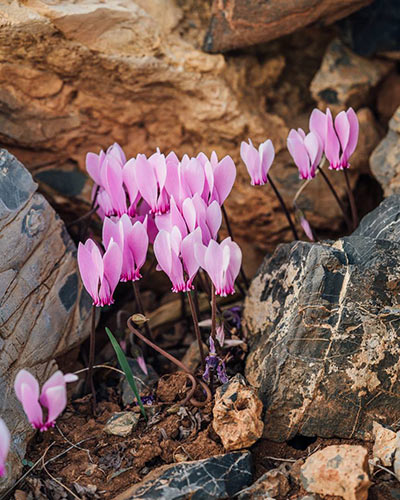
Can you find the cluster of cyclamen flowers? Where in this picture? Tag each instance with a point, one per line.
(173, 204)
(338, 140)
(53, 398)
(176, 205)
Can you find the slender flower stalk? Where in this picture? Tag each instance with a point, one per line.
(92, 350)
(139, 304)
(284, 207)
(196, 328)
(353, 205)
(179, 364)
(336, 196)
(230, 232)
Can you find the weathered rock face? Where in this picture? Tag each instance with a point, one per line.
(221, 476)
(43, 310)
(322, 322)
(240, 23)
(346, 79)
(385, 160)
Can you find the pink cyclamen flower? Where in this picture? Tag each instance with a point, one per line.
(5, 439)
(339, 138)
(258, 162)
(175, 256)
(222, 262)
(53, 397)
(306, 151)
(100, 273)
(133, 242)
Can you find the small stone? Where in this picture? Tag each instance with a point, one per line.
(386, 442)
(221, 476)
(20, 495)
(237, 414)
(345, 79)
(338, 470)
(272, 484)
(121, 423)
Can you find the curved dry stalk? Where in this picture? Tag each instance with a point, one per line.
(176, 362)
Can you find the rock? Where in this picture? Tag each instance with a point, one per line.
(385, 160)
(241, 23)
(142, 380)
(237, 414)
(369, 136)
(43, 310)
(338, 470)
(321, 322)
(373, 29)
(121, 423)
(385, 443)
(346, 79)
(221, 476)
(388, 98)
(272, 484)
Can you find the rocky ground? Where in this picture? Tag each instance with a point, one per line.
(311, 410)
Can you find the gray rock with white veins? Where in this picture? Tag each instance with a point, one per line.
(43, 310)
(216, 477)
(323, 322)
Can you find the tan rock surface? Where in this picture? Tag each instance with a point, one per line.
(237, 414)
(338, 470)
(385, 445)
(385, 159)
(346, 79)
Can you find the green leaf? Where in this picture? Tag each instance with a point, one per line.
(126, 369)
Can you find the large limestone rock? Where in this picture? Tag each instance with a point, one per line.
(240, 23)
(385, 160)
(43, 310)
(322, 322)
(77, 76)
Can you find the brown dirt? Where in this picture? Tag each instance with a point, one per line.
(111, 463)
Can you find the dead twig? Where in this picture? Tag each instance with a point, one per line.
(55, 479)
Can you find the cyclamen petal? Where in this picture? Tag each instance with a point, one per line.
(27, 391)
(332, 145)
(5, 440)
(353, 137)
(89, 273)
(112, 272)
(56, 398)
(224, 178)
